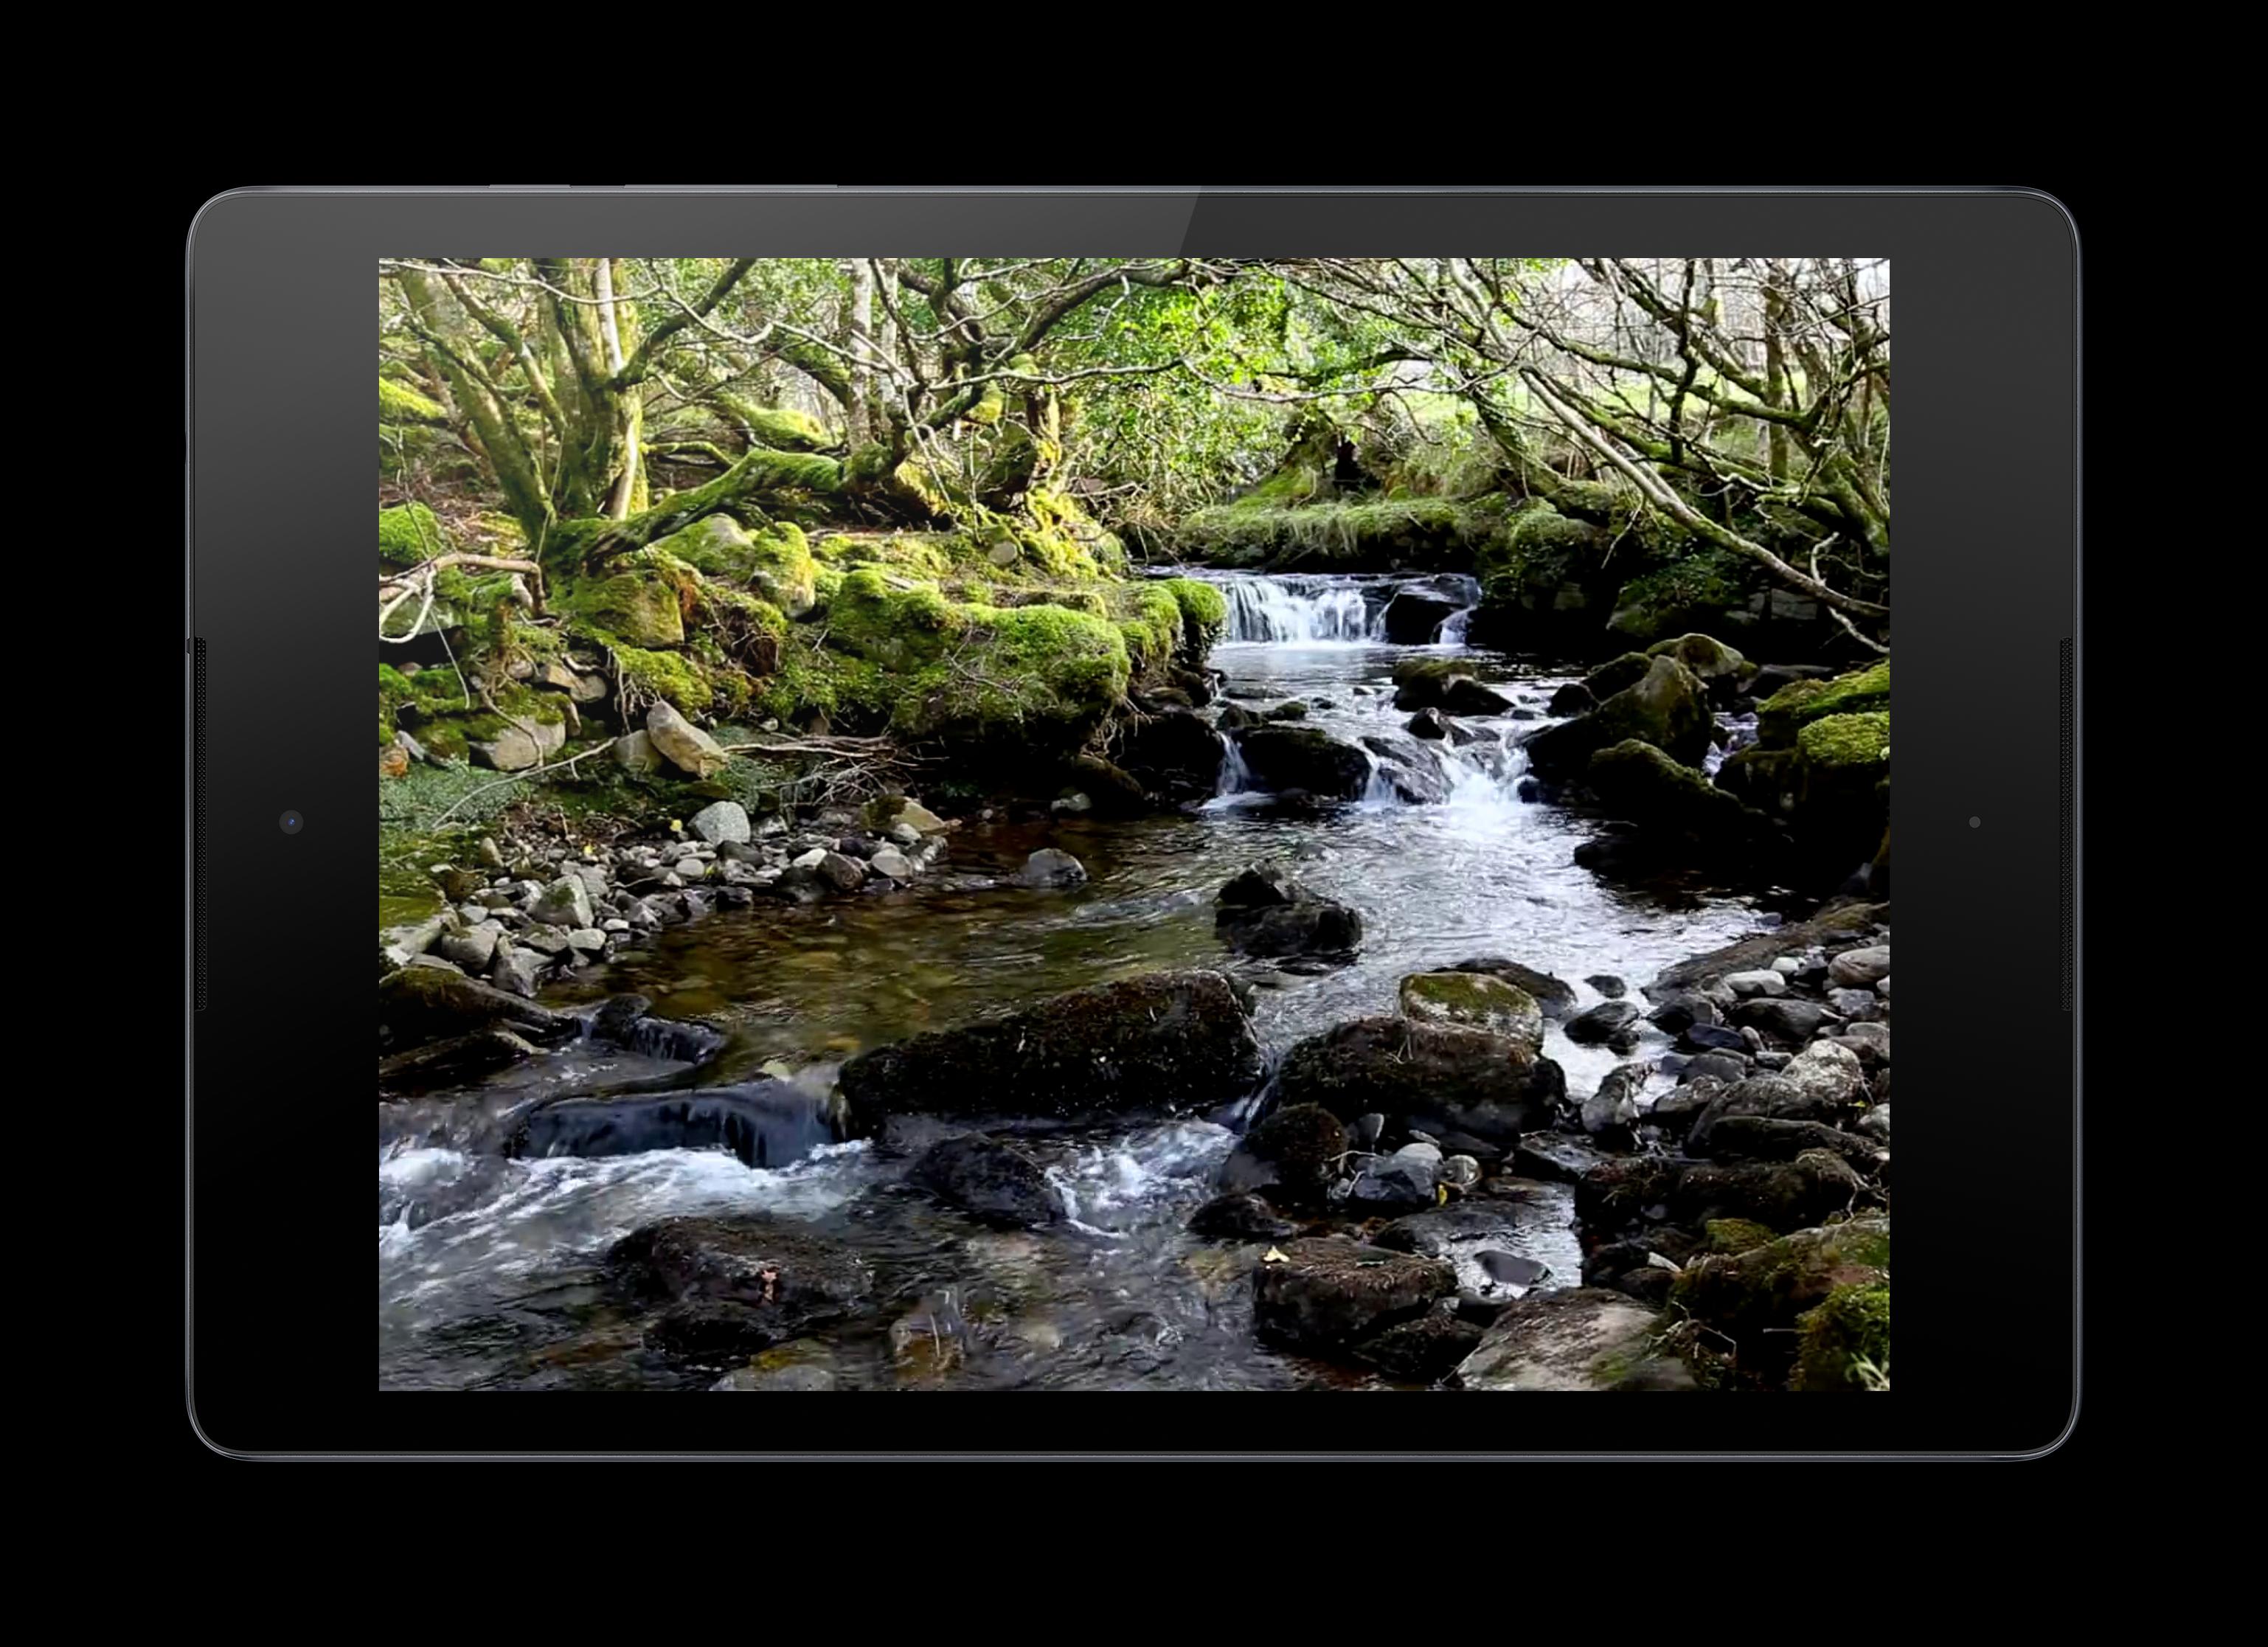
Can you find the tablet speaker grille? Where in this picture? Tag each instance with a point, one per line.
(198, 819)
(2067, 818)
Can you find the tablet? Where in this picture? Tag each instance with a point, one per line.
(1076, 801)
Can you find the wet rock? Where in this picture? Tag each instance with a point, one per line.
(1779, 1194)
(1595, 1025)
(1303, 758)
(766, 1123)
(996, 1181)
(1291, 1155)
(1860, 968)
(1434, 1079)
(419, 1004)
(1608, 985)
(1240, 1215)
(1784, 1019)
(1575, 698)
(1401, 1182)
(1263, 911)
(1422, 1349)
(1610, 1112)
(1815, 1086)
(1726, 1066)
(1713, 1038)
(1770, 1138)
(1325, 1295)
(1414, 614)
(1555, 997)
(682, 744)
(1051, 867)
(841, 873)
(1173, 755)
(1679, 1013)
(459, 1058)
(1461, 694)
(1473, 1000)
(1460, 1172)
(1427, 724)
(1582, 1338)
(1423, 682)
(1163, 1041)
(1556, 1156)
(891, 863)
(738, 1284)
(721, 821)
(1625, 1190)
(1411, 769)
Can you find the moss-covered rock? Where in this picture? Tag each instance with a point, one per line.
(1845, 1333)
(1473, 1000)
(1715, 664)
(409, 534)
(1755, 1298)
(1844, 742)
(1730, 1236)
(1617, 674)
(636, 607)
(1637, 782)
(1204, 614)
(1780, 716)
(1665, 707)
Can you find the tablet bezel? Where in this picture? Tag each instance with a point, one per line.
(276, 427)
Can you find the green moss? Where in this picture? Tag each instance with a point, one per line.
(1381, 530)
(1154, 630)
(426, 695)
(399, 403)
(781, 427)
(409, 534)
(1780, 716)
(1845, 740)
(1205, 613)
(1701, 581)
(1736, 1235)
(1852, 1324)
(1475, 1000)
(673, 676)
(641, 609)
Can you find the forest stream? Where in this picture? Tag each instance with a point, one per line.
(491, 1270)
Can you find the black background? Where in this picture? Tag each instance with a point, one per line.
(2107, 831)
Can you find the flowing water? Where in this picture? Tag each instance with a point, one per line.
(486, 1268)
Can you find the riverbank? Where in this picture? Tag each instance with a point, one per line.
(495, 1266)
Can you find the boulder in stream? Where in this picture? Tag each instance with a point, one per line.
(1162, 1041)
(996, 1181)
(1437, 1078)
(736, 1285)
(1306, 759)
(767, 1124)
(1324, 1294)
(1263, 911)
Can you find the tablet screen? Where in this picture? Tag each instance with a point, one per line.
(1155, 823)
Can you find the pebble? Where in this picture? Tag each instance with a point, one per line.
(891, 862)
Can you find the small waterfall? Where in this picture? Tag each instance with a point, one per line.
(1294, 610)
(1235, 776)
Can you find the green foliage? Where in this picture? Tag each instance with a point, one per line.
(399, 403)
(1205, 613)
(1844, 1340)
(1243, 534)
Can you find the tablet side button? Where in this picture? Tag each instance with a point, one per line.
(2067, 818)
(198, 819)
